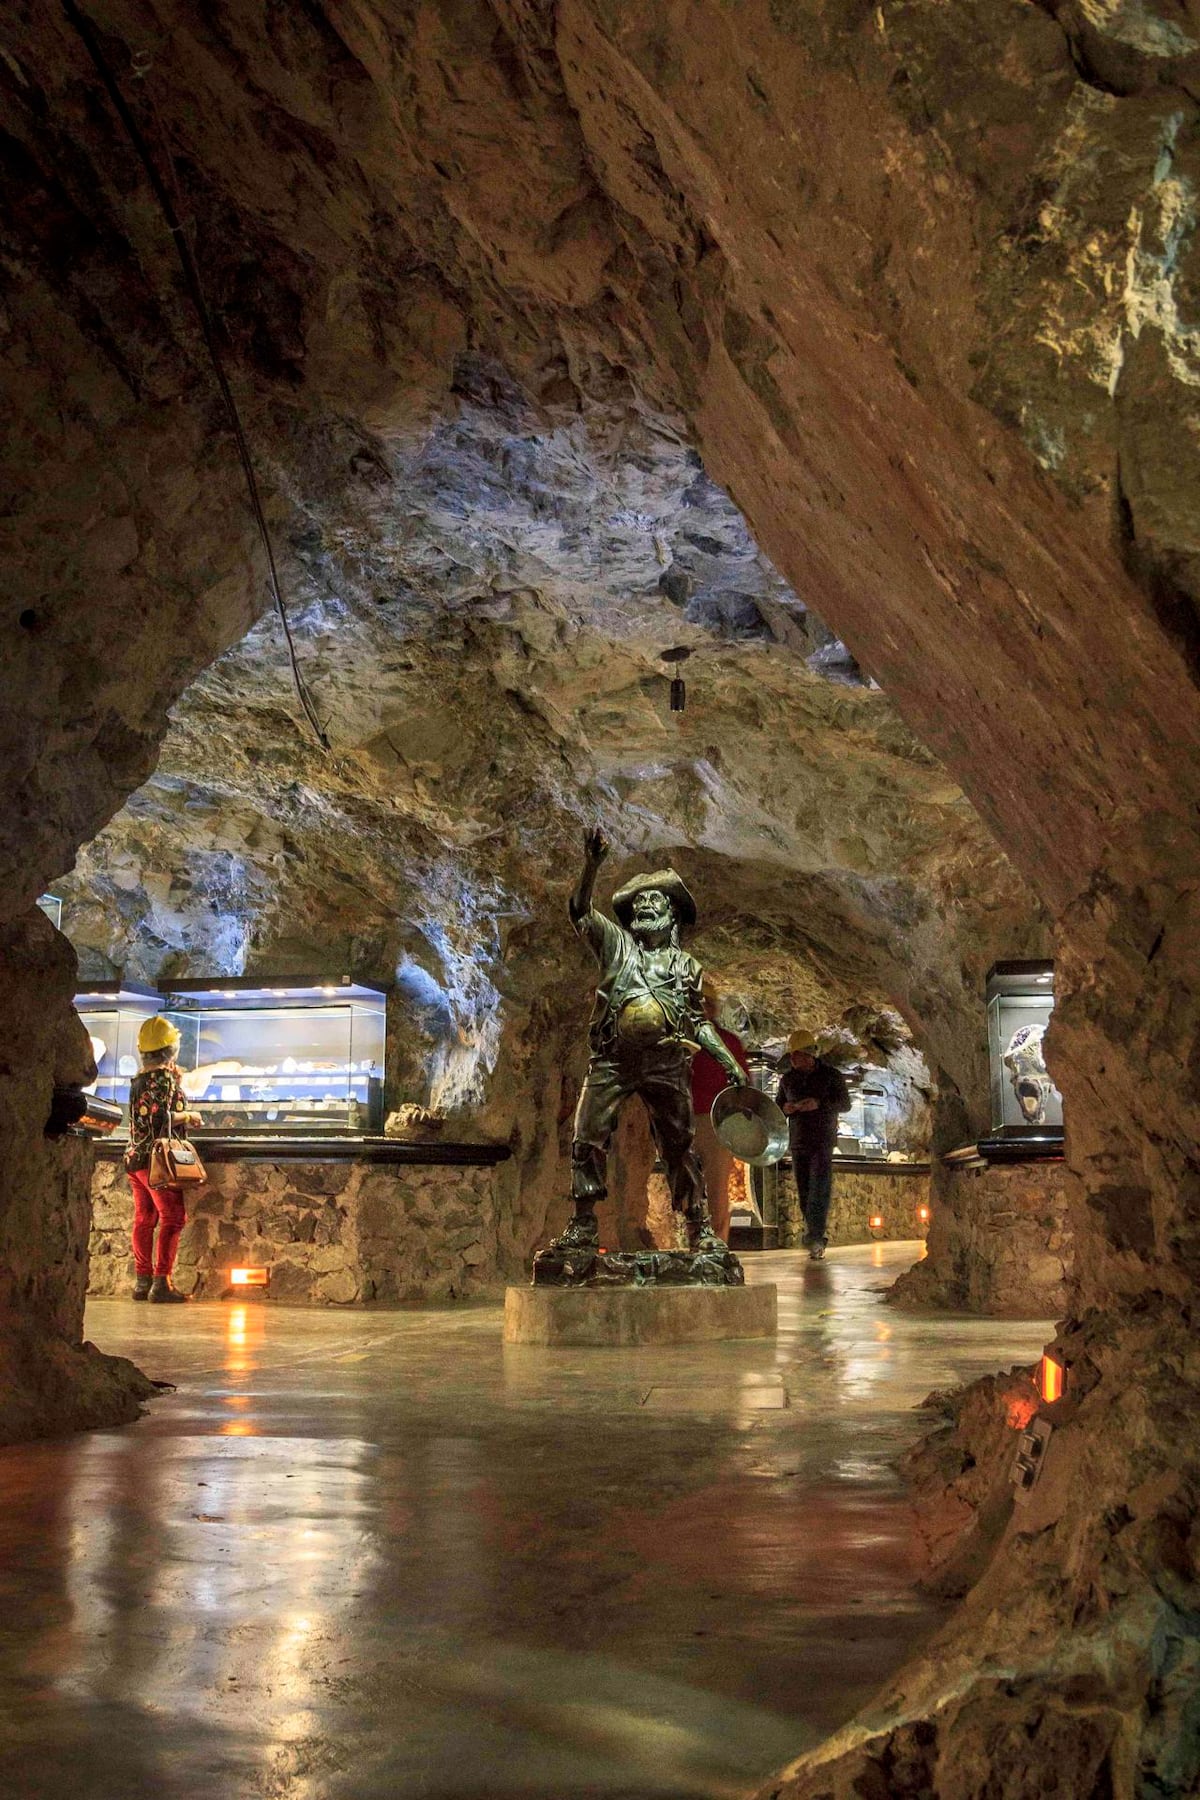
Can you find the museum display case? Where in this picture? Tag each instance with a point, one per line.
(51, 905)
(1026, 1105)
(863, 1130)
(292, 1059)
(113, 1013)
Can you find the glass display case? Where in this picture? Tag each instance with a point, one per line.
(113, 1013)
(1020, 1000)
(294, 1059)
(51, 905)
(862, 1131)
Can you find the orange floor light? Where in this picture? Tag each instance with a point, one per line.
(1052, 1379)
(923, 1214)
(249, 1277)
(876, 1222)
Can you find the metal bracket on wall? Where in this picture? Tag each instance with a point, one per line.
(1031, 1455)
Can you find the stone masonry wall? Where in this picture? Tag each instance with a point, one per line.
(858, 1195)
(1001, 1243)
(338, 1233)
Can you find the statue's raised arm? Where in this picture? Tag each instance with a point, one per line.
(595, 849)
(647, 1003)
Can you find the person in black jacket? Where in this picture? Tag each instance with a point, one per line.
(812, 1093)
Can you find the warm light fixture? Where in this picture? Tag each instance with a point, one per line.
(923, 1214)
(876, 1223)
(249, 1277)
(1052, 1378)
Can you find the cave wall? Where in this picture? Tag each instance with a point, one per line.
(919, 278)
(51, 1382)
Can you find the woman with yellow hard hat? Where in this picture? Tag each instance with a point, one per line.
(157, 1108)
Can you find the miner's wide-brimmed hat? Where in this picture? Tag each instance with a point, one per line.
(667, 882)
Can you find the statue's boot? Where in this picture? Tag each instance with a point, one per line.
(583, 1233)
(702, 1239)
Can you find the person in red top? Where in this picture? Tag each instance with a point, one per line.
(708, 1079)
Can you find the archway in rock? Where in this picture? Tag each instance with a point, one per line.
(479, 719)
(922, 296)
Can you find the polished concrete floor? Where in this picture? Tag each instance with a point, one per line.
(358, 1555)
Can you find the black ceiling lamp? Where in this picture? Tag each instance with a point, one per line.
(674, 658)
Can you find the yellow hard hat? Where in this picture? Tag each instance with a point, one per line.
(157, 1034)
(802, 1040)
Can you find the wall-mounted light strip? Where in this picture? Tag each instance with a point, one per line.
(1052, 1379)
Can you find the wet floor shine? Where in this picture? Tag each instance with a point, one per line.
(359, 1555)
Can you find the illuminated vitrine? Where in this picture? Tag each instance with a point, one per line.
(113, 1013)
(1020, 1001)
(292, 1058)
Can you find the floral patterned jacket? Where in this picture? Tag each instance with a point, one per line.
(154, 1096)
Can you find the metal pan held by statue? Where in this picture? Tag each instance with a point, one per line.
(750, 1126)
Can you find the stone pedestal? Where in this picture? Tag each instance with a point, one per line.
(637, 1315)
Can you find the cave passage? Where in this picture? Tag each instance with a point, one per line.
(377, 1554)
(854, 350)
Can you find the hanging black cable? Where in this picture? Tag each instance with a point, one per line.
(191, 275)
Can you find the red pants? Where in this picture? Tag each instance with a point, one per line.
(155, 1206)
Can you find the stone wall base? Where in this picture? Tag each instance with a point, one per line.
(339, 1233)
(858, 1197)
(999, 1243)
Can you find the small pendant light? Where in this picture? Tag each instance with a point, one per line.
(674, 658)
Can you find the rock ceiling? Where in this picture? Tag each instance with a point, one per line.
(479, 613)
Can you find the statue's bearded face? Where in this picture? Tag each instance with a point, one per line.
(652, 917)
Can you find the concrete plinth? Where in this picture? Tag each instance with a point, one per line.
(637, 1315)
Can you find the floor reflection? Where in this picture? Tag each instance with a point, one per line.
(378, 1554)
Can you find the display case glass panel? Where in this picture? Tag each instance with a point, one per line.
(113, 1013)
(51, 905)
(1020, 1000)
(862, 1131)
(292, 1059)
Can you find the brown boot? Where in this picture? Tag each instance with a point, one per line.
(162, 1291)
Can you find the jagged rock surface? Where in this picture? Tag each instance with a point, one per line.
(476, 729)
(920, 280)
(51, 1382)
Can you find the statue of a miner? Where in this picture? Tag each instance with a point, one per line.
(646, 1025)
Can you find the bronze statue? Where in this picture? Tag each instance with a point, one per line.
(647, 1023)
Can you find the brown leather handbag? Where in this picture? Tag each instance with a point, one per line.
(175, 1163)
